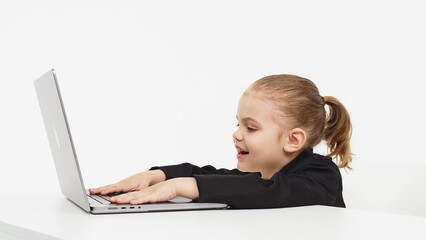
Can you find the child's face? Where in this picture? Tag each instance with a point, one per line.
(259, 135)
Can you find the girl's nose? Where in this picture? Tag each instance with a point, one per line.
(237, 136)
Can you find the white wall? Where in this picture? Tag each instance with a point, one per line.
(157, 82)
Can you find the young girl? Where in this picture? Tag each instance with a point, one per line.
(280, 119)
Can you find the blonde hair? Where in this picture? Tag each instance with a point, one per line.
(300, 103)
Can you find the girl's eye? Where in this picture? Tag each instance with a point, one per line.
(248, 128)
(251, 129)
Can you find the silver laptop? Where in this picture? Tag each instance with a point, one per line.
(67, 167)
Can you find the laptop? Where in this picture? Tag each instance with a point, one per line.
(67, 167)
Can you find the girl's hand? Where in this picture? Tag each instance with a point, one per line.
(161, 192)
(133, 183)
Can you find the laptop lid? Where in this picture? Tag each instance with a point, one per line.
(66, 163)
(60, 140)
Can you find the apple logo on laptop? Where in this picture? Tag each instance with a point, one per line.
(56, 137)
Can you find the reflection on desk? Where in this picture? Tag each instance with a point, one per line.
(52, 216)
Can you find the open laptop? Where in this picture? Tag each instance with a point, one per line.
(67, 167)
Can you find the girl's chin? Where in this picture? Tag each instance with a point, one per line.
(242, 167)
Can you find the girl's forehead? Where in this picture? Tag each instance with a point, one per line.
(255, 100)
(256, 107)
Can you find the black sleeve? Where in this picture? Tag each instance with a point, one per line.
(315, 185)
(188, 170)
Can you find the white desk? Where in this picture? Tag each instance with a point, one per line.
(52, 216)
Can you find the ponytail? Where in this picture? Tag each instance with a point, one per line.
(338, 132)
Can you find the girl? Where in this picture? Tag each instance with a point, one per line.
(280, 119)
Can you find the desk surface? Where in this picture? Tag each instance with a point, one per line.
(52, 216)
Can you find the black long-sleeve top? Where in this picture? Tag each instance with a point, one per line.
(309, 179)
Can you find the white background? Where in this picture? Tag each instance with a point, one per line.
(149, 83)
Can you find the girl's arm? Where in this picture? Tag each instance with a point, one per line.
(187, 187)
(187, 170)
(317, 183)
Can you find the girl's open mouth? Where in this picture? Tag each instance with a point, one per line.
(242, 154)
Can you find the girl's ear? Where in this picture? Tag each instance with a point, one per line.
(295, 140)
